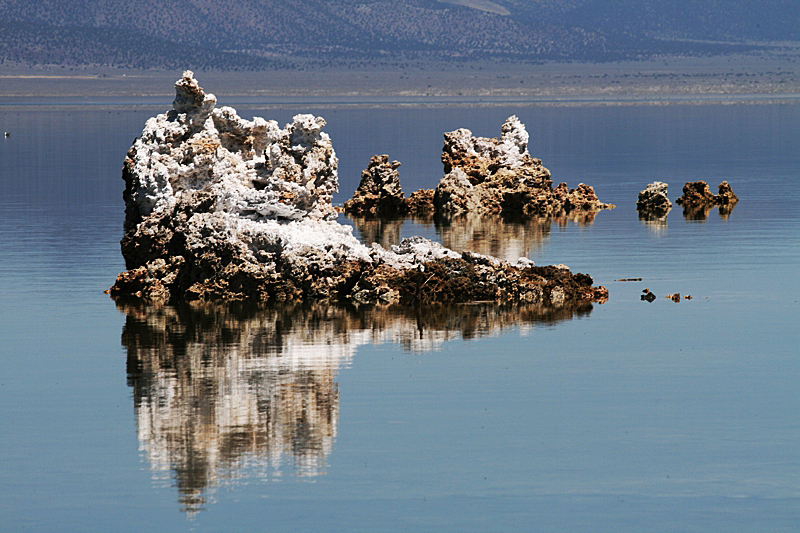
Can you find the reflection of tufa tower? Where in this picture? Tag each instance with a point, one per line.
(494, 235)
(218, 399)
(223, 395)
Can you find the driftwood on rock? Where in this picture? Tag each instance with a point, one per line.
(222, 208)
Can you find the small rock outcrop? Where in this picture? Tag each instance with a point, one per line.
(222, 208)
(653, 199)
(726, 199)
(379, 193)
(697, 200)
(499, 176)
(486, 176)
(698, 193)
(725, 194)
(420, 203)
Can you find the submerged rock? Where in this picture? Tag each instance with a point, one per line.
(222, 208)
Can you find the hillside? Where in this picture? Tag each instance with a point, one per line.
(267, 34)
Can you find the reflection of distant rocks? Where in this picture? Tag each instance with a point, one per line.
(384, 231)
(697, 211)
(224, 393)
(495, 235)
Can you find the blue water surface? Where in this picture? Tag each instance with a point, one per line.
(629, 416)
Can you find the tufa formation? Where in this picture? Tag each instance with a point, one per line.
(485, 176)
(222, 208)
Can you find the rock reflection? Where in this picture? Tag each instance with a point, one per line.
(383, 230)
(701, 212)
(494, 235)
(698, 212)
(726, 210)
(224, 394)
(656, 221)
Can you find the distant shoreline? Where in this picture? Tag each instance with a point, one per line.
(735, 79)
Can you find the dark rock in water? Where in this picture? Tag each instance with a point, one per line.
(222, 208)
(726, 199)
(697, 200)
(726, 195)
(379, 193)
(696, 193)
(654, 200)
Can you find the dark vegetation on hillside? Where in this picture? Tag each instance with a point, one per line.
(267, 34)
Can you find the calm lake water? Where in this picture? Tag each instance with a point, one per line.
(627, 416)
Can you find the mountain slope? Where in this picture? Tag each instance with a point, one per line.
(261, 34)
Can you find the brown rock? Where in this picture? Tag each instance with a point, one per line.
(379, 193)
(697, 200)
(420, 203)
(726, 196)
(696, 193)
(653, 202)
(499, 176)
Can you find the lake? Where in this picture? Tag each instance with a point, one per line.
(624, 416)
